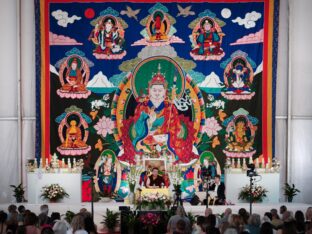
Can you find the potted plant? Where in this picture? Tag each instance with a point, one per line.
(53, 192)
(290, 191)
(111, 220)
(19, 192)
(131, 220)
(69, 215)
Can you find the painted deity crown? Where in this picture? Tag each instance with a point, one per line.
(158, 79)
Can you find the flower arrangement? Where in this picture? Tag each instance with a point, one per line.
(149, 219)
(53, 192)
(153, 201)
(133, 175)
(258, 193)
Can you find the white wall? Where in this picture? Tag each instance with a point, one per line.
(301, 83)
(301, 131)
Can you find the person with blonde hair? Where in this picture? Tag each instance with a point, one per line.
(77, 225)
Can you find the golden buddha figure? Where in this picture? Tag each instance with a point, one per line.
(73, 137)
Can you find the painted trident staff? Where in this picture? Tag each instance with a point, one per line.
(173, 96)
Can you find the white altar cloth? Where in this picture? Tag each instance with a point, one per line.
(71, 182)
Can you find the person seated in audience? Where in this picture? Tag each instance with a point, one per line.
(180, 215)
(219, 188)
(226, 215)
(61, 227)
(308, 222)
(276, 221)
(300, 225)
(199, 225)
(181, 227)
(21, 214)
(211, 225)
(254, 223)
(266, 228)
(55, 216)
(30, 223)
(12, 222)
(77, 225)
(43, 216)
(242, 212)
(283, 209)
(155, 180)
(3, 218)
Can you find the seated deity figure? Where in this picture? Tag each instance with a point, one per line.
(73, 137)
(156, 120)
(158, 27)
(108, 38)
(238, 76)
(74, 78)
(239, 139)
(208, 39)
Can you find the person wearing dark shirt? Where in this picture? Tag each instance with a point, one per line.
(155, 180)
(219, 188)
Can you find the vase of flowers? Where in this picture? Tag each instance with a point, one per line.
(258, 193)
(149, 220)
(53, 192)
(153, 201)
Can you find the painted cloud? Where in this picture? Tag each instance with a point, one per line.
(250, 19)
(250, 38)
(63, 19)
(55, 39)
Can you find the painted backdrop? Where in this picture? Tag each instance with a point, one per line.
(190, 83)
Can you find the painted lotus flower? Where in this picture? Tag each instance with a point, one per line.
(211, 127)
(104, 126)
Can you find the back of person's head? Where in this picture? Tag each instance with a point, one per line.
(208, 212)
(211, 220)
(30, 219)
(60, 227)
(180, 211)
(283, 209)
(3, 216)
(230, 231)
(55, 216)
(242, 211)
(89, 224)
(266, 228)
(254, 220)
(309, 214)
(21, 209)
(200, 220)
(289, 228)
(43, 219)
(47, 230)
(181, 226)
(287, 216)
(228, 211)
(12, 208)
(299, 216)
(44, 209)
(77, 223)
(268, 214)
(235, 221)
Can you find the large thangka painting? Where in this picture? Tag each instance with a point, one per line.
(176, 84)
